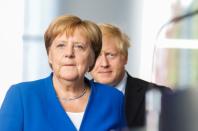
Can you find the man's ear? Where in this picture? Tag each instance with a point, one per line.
(125, 59)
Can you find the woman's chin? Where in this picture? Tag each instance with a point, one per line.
(68, 74)
(69, 77)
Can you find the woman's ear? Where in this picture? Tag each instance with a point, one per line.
(91, 62)
(50, 57)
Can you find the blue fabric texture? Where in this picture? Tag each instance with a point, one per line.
(33, 106)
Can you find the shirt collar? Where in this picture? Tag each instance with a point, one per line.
(122, 84)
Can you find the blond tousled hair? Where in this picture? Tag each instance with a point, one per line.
(112, 31)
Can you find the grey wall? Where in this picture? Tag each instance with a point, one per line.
(124, 13)
(38, 15)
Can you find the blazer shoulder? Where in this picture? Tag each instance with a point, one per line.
(30, 85)
(136, 82)
(106, 89)
(140, 83)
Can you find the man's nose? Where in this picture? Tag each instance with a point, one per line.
(104, 61)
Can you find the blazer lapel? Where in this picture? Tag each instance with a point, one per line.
(134, 98)
(56, 116)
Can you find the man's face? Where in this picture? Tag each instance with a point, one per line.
(110, 65)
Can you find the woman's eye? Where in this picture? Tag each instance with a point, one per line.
(79, 46)
(61, 45)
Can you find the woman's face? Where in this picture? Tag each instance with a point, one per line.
(71, 56)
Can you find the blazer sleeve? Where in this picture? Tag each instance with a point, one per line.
(11, 112)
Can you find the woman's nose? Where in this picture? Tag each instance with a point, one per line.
(69, 51)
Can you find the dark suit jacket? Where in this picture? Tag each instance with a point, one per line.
(135, 100)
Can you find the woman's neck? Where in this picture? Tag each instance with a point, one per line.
(67, 88)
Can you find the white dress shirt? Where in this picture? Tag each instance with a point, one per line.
(122, 85)
(76, 118)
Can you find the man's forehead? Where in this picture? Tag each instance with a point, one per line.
(109, 49)
(110, 52)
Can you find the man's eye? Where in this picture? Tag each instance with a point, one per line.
(111, 55)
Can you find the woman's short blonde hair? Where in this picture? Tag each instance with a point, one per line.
(112, 31)
(68, 24)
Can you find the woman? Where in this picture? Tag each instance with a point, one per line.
(65, 100)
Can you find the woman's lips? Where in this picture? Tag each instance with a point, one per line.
(69, 65)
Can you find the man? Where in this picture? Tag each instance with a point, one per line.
(110, 69)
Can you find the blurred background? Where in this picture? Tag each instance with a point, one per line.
(163, 53)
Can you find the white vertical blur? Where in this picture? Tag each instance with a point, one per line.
(153, 109)
(11, 31)
(38, 15)
(155, 13)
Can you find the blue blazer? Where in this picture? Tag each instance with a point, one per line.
(33, 106)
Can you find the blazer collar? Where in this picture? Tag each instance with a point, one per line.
(134, 98)
(134, 85)
(55, 113)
